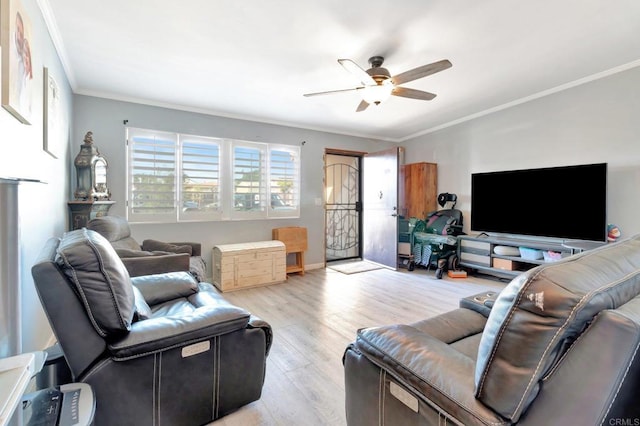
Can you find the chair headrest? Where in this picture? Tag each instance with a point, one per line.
(113, 228)
(100, 279)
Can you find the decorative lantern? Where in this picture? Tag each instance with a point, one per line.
(91, 172)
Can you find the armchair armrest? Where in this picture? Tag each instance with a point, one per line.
(155, 263)
(159, 288)
(159, 334)
(196, 248)
(255, 322)
(435, 369)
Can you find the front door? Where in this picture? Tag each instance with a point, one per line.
(380, 207)
(342, 206)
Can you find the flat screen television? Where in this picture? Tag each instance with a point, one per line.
(567, 202)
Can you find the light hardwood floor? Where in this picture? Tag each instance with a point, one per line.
(315, 316)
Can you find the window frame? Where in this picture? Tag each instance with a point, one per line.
(226, 185)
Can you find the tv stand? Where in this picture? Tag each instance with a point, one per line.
(477, 253)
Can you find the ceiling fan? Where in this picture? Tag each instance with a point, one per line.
(378, 84)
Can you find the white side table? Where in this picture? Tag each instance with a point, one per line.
(15, 374)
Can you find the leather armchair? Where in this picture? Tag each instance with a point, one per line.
(559, 345)
(157, 350)
(150, 257)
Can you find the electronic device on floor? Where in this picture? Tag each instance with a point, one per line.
(70, 404)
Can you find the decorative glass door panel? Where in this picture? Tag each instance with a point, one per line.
(342, 206)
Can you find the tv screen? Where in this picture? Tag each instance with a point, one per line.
(561, 202)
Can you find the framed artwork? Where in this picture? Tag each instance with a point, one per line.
(17, 71)
(52, 116)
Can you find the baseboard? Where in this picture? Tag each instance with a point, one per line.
(313, 266)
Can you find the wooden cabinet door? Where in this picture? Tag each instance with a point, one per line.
(419, 189)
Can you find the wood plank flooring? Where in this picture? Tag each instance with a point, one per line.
(315, 316)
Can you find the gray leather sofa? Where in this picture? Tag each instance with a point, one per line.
(559, 345)
(158, 349)
(152, 256)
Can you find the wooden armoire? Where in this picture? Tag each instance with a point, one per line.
(418, 189)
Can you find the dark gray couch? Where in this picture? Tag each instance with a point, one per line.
(152, 256)
(559, 346)
(158, 349)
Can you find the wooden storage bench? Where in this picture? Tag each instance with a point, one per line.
(245, 265)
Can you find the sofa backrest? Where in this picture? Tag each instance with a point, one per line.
(541, 312)
(116, 230)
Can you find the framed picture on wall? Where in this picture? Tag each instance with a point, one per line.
(17, 71)
(52, 115)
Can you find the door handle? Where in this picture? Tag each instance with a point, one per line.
(394, 214)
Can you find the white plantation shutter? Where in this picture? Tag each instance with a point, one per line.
(174, 178)
(249, 180)
(200, 184)
(151, 176)
(284, 181)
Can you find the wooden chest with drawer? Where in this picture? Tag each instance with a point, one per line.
(245, 265)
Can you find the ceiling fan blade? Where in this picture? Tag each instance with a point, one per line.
(358, 72)
(405, 92)
(420, 72)
(362, 106)
(332, 91)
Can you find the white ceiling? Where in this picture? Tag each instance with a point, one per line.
(254, 59)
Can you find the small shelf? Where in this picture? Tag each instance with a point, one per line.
(295, 241)
(519, 259)
(477, 253)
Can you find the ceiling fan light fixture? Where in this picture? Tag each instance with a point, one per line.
(377, 84)
(378, 93)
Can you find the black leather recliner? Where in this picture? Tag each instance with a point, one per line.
(158, 349)
(558, 346)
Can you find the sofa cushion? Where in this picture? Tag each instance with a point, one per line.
(143, 311)
(100, 280)
(541, 312)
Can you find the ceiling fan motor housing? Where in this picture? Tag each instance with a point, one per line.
(376, 71)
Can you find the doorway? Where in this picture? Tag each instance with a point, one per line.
(343, 206)
(361, 206)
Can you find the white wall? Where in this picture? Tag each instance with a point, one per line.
(105, 118)
(42, 207)
(595, 122)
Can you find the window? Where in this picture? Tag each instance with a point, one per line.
(284, 181)
(152, 173)
(249, 179)
(200, 184)
(219, 179)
